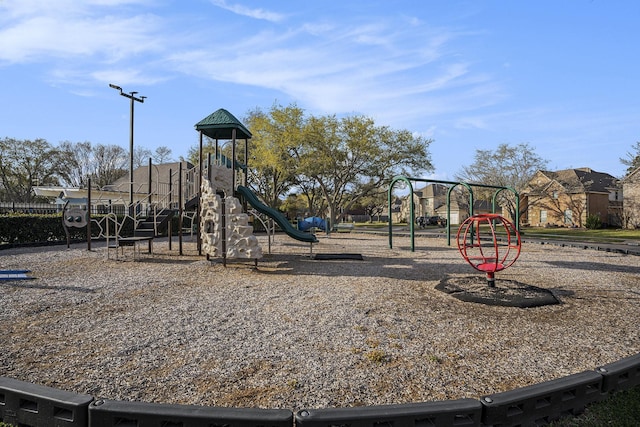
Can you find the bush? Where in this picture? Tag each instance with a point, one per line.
(20, 229)
(593, 222)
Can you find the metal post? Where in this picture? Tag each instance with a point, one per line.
(170, 209)
(180, 208)
(233, 161)
(223, 217)
(131, 156)
(198, 239)
(246, 163)
(89, 214)
(150, 182)
(133, 98)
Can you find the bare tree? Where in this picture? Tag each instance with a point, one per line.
(162, 155)
(507, 166)
(632, 161)
(110, 164)
(141, 157)
(75, 163)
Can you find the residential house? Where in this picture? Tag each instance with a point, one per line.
(459, 211)
(431, 200)
(567, 197)
(426, 201)
(163, 179)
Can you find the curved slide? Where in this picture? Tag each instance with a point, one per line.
(276, 215)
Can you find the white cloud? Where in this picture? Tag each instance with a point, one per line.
(395, 69)
(76, 40)
(377, 69)
(249, 12)
(41, 38)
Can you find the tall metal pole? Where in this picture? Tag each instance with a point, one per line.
(131, 153)
(133, 98)
(198, 238)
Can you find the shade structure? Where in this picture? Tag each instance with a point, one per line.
(220, 125)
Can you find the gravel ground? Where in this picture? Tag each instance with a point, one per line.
(299, 333)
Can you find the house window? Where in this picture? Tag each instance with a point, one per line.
(568, 216)
(555, 194)
(543, 217)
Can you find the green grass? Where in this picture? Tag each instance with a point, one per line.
(375, 224)
(604, 235)
(621, 409)
(600, 235)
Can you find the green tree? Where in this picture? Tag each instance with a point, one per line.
(315, 202)
(294, 205)
(375, 203)
(331, 162)
(507, 166)
(25, 164)
(351, 158)
(194, 151)
(276, 134)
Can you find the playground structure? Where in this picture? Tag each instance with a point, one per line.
(226, 232)
(221, 181)
(74, 218)
(180, 193)
(107, 212)
(488, 254)
(452, 186)
(312, 222)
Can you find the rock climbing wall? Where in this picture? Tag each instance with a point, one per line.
(221, 179)
(240, 241)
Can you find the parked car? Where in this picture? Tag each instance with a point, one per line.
(424, 221)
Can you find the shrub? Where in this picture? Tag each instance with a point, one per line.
(593, 222)
(20, 229)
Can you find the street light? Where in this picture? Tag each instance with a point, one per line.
(133, 98)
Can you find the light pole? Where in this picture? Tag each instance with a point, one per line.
(133, 98)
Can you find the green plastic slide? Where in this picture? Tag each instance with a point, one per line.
(276, 215)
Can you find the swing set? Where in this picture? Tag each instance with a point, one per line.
(452, 185)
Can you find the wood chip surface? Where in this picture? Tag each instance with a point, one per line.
(302, 333)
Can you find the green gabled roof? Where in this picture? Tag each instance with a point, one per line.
(220, 124)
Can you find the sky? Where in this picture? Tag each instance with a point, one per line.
(561, 76)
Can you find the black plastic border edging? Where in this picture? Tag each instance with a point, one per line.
(26, 404)
(461, 412)
(621, 375)
(107, 413)
(543, 402)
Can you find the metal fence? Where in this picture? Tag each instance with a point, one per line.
(29, 208)
(52, 208)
